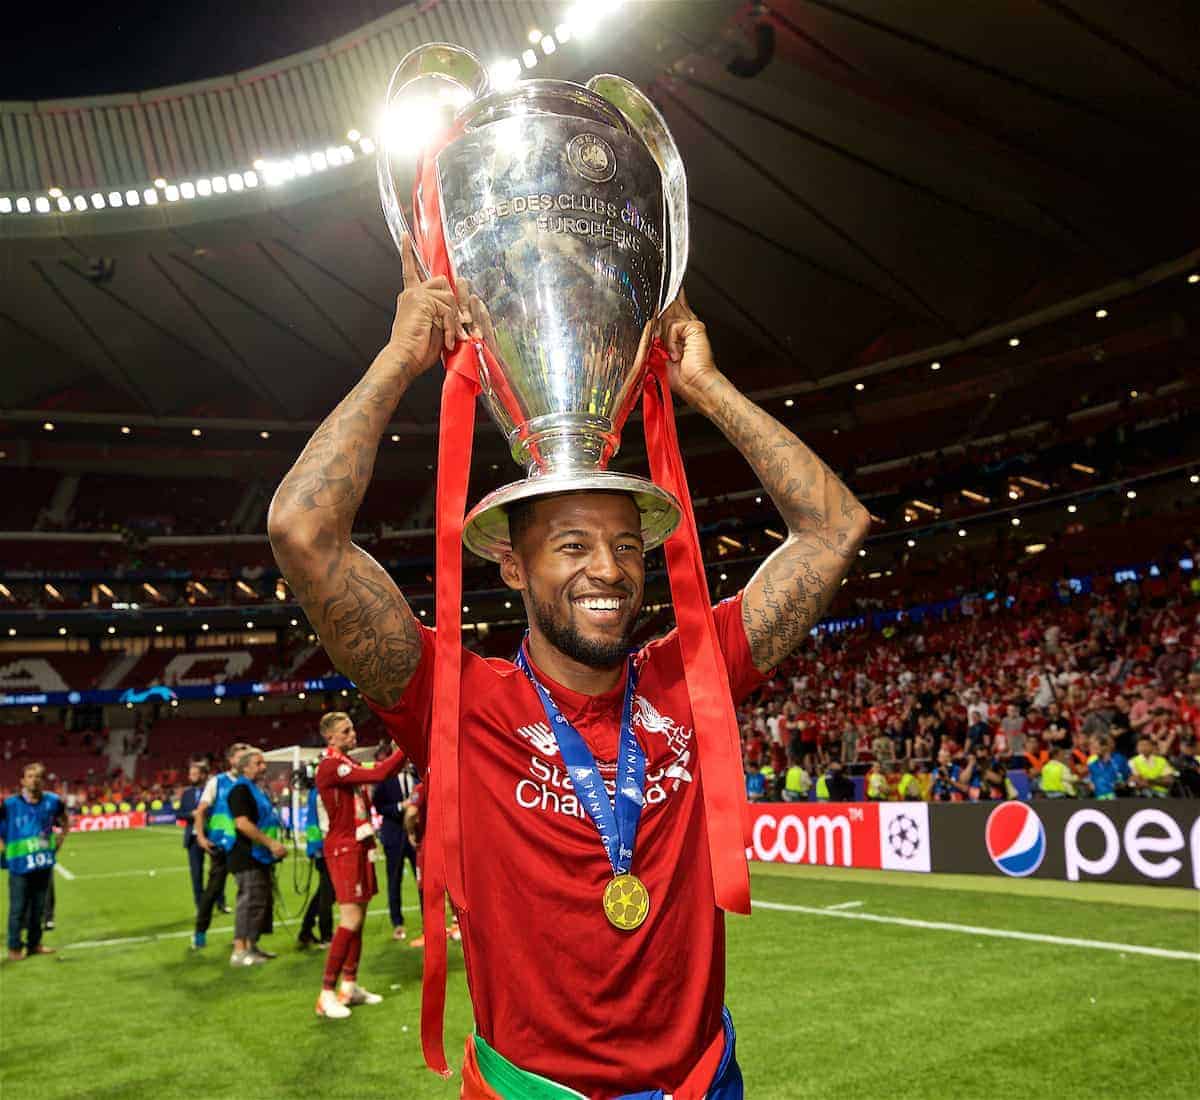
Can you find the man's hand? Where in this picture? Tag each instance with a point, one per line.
(686, 339)
(428, 320)
(204, 842)
(277, 849)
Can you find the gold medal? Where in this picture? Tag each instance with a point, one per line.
(626, 902)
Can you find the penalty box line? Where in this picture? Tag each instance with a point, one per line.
(975, 930)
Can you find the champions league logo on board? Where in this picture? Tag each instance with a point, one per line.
(904, 836)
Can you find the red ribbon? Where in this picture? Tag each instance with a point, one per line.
(718, 743)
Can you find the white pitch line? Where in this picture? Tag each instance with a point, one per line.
(843, 905)
(64, 872)
(187, 934)
(973, 930)
(149, 873)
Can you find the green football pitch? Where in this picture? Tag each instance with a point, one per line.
(843, 984)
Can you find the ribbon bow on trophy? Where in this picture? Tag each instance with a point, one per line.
(563, 209)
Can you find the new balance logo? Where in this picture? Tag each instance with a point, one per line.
(540, 737)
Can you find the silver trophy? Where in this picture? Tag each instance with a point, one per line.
(564, 208)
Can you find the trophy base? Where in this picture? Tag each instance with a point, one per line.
(485, 531)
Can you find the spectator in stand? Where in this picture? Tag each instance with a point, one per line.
(835, 785)
(1173, 663)
(1012, 725)
(908, 788)
(756, 785)
(256, 849)
(883, 748)
(33, 827)
(391, 800)
(1142, 714)
(942, 788)
(185, 814)
(1150, 773)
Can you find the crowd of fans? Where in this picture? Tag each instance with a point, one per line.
(1089, 694)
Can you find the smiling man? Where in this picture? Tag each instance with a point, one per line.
(594, 948)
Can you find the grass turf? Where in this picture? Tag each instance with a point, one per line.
(824, 1006)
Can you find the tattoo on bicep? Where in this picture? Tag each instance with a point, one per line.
(371, 634)
(782, 604)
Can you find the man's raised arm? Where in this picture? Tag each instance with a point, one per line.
(826, 525)
(362, 619)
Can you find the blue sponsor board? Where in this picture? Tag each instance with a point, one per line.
(158, 693)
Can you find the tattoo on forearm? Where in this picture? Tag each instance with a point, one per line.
(826, 525)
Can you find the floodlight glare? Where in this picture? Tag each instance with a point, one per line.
(23, 205)
(160, 183)
(150, 197)
(367, 146)
(187, 190)
(319, 161)
(55, 192)
(172, 193)
(114, 199)
(203, 188)
(301, 165)
(346, 153)
(5, 205)
(132, 198)
(353, 135)
(42, 204)
(549, 45)
(80, 202)
(250, 179)
(219, 185)
(64, 204)
(529, 59)
(235, 182)
(98, 201)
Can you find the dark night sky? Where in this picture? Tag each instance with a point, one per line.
(65, 49)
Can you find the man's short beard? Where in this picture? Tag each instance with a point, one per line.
(567, 639)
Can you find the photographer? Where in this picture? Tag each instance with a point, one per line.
(256, 849)
(942, 788)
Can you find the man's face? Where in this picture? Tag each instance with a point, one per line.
(256, 769)
(33, 780)
(343, 736)
(580, 567)
(194, 774)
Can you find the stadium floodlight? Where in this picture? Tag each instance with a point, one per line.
(912, 543)
(48, 426)
(1194, 278)
(126, 429)
(535, 36)
(80, 203)
(962, 532)
(62, 630)
(55, 192)
(172, 193)
(508, 605)
(112, 629)
(301, 695)
(264, 435)
(1014, 341)
(724, 576)
(549, 45)
(160, 183)
(6, 205)
(935, 366)
(249, 625)
(42, 204)
(346, 153)
(333, 155)
(114, 199)
(64, 204)
(1072, 508)
(529, 59)
(150, 197)
(158, 629)
(12, 631)
(301, 165)
(204, 626)
(187, 189)
(860, 386)
(504, 73)
(250, 179)
(219, 185)
(789, 403)
(1101, 314)
(132, 198)
(367, 146)
(1016, 521)
(421, 613)
(319, 162)
(862, 553)
(353, 135)
(203, 188)
(1132, 494)
(563, 33)
(236, 183)
(23, 205)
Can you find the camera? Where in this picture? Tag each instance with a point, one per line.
(304, 777)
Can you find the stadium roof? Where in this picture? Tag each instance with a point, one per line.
(874, 187)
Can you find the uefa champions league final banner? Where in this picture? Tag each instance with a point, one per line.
(1139, 841)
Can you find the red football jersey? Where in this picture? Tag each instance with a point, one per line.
(345, 804)
(556, 988)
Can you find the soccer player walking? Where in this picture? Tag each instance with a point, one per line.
(595, 949)
(348, 843)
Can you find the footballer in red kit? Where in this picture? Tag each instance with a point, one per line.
(593, 941)
(349, 839)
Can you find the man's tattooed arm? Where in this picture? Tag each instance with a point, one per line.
(826, 525)
(362, 619)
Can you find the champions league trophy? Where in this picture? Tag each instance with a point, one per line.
(564, 207)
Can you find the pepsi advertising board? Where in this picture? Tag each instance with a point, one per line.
(1152, 842)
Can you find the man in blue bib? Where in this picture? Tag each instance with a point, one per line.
(33, 825)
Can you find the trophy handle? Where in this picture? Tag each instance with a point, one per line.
(435, 63)
(652, 128)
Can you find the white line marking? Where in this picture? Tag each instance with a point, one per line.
(64, 872)
(973, 930)
(119, 941)
(843, 905)
(149, 873)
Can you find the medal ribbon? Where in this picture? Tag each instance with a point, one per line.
(615, 821)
